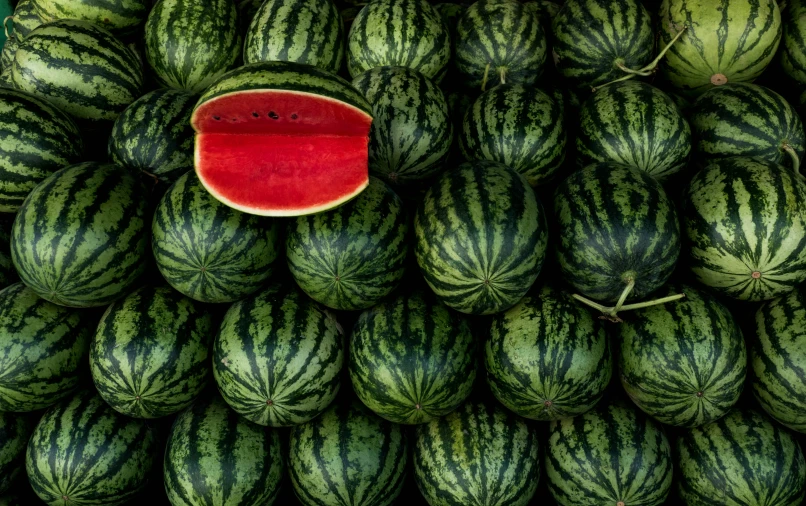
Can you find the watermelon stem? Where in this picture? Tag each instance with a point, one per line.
(503, 73)
(484, 79)
(611, 312)
(793, 155)
(5, 24)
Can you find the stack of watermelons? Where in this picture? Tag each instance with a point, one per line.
(576, 274)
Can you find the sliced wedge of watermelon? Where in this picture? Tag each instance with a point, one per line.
(282, 139)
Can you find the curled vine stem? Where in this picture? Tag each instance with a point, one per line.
(793, 155)
(611, 312)
(5, 24)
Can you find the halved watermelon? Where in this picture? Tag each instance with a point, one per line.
(282, 139)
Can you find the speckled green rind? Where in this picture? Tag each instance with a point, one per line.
(744, 218)
(122, 17)
(150, 354)
(411, 359)
(481, 237)
(399, 33)
(348, 456)
(87, 452)
(411, 129)
(42, 350)
(80, 68)
(25, 19)
(303, 31)
(746, 120)
(479, 454)
(741, 459)
(777, 361)
(215, 456)
(189, 44)
(548, 357)
(683, 363)
(207, 250)
(154, 136)
(615, 223)
(79, 239)
(592, 37)
(14, 432)
(519, 126)
(501, 34)
(36, 139)
(793, 51)
(9, 49)
(729, 41)
(353, 256)
(277, 358)
(634, 124)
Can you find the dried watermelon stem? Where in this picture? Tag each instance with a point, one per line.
(484, 79)
(5, 24)
(793, 155)
(611, 312)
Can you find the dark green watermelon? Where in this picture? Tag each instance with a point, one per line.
(122, 17)
(7, 55)
(793, 49)
(26, 18)
(14, 432)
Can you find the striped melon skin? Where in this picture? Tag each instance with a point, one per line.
(519, 126)
(42, 351)
(49, 59)
(591, 38)
(83, 452)
(777, 361)
(36, 139)
(724, 42)
(7, 55)
(207, 250)
(547, 357)
(748, 120)
(741, 459)
(150, 354)
(277, 358)
(14, 432)
(610, 455)
(793, 52)
(79, 239)
(480, 237)
(122, 17)
(303, 31)
(746, 224)
(479, 454)
(154, 136)
(353, 256)
(399, 33)
(683, 363)
(634, 124)
(501, 38)
(411, 130)
(189, 44)
(26, 18)
(411, 359)
(615, 224)
(214, 456)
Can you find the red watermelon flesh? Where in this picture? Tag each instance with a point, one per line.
(281, 153)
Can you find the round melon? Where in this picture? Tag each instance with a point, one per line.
(26, 18)
(793, 49)
(122, 17)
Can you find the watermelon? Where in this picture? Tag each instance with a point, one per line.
(36, 139)
(521, 127)
(635, 124)
(293, 121)
(79, 238)
(153, 136)
(793, 50)
(277, 358)
(189, 44)
(499, 42)
(547, 357)
(122, 17)
(26, 17)
(353, 256)
(777, 361)
(479, 454)
(619, 237)
(42, 350)
(610, 455)
(411, 131)
(742, 458)
(684, 363)
(84, 452)
(14, 432)
(411, 359)
(49, 59)
(214, 456)
(208, 251)
(303, 31)
(724, 42)
(399, 33)
(150, 354)
(9, 49)
(745, 220)
(745, 119)
(480, 237)
(347, 456)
